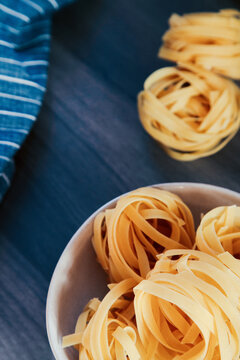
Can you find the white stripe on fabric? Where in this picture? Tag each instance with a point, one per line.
(5, 158)
(21, 81)
(12, 29)
(24, 63)
(4, 176)
(34, 5)
(20, 98)
(10, 61)
(17, 114)
(7, 44)
(35, 62)
(22, 131)
(54, 4)
(37, 39)
(17, 14)
(9, 143)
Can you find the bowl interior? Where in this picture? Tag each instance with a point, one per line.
(78, 277)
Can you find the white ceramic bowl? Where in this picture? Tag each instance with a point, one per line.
(78, 277)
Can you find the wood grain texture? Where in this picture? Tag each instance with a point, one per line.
(86, 148)
(22, 300)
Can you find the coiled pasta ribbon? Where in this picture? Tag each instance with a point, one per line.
(128, 238)
(219, 231)
(210, 40)
(182, 304)
(192, 112)
(188, 308)
(106, 330)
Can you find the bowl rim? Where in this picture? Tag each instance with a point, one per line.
(168, 186)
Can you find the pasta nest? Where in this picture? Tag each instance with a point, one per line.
(210, 40)
(192, 112)
(188, 308)
(147, 221)
(219, 231)
(181, 304)
(107, 329)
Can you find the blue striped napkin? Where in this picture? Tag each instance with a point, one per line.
(24, 49)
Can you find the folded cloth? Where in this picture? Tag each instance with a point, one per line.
(24, 50)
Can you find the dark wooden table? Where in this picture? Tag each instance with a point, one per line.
(86, 148)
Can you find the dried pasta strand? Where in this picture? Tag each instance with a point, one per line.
(109, 332)
(207, 323)
(209, 40)
(190, 111)
(143, 223)
(186, 309)
(180, 304)
(219, 231)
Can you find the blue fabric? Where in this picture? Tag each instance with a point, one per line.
(24, 50)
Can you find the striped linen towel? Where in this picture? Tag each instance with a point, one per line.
(24, 49)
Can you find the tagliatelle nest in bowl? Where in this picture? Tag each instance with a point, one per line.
(188, 308)
(106, 330)
(210, 40)
(219, 231)
(128, 238)
(192, 112)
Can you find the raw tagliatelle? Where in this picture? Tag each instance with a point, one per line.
(168, 301)
(143, 223)
(210, 40)
(219, 231)
(188, 308)
(190, 111)
(106, 330)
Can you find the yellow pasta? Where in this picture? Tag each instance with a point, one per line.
(210, 40)
(106, 330)
(190, 111)
(219, 231)
(231, 262)
(188, 309)
(168, 301)
(143, 223)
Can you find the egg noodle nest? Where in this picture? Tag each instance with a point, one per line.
(173, 293)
